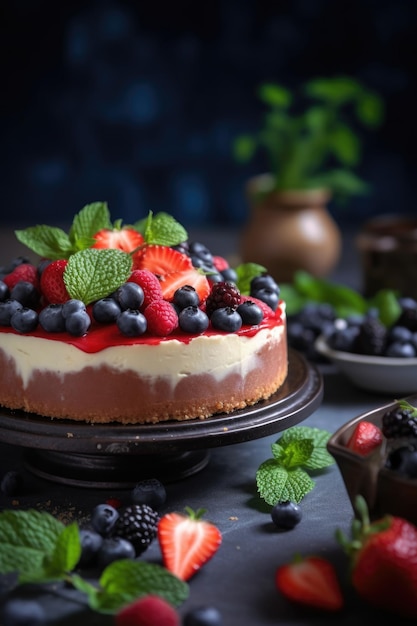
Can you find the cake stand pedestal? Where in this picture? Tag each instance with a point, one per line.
(115, 455)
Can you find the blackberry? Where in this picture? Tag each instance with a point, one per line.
(399, 422)
(408, 318)
(149, 491)
(138, 524)
(223, 295)
(371, 338)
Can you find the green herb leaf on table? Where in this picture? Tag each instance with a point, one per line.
(41, 549)
(285, 477)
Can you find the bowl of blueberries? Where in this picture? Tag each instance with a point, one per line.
(375, 349)
(376, 453)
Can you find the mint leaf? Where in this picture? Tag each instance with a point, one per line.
(294, 454)
(95, 273)
(285, 476)
(277, 484)
(26, 537)
(245, 273)
(92, 218)
(66, 553)
(46, 241)
(163, 229)
(319, 457)
(125, 580)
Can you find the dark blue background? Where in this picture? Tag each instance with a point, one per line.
(137, 103)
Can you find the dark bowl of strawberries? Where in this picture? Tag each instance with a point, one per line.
(376, 453)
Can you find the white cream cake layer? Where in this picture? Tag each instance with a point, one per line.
(217, 355)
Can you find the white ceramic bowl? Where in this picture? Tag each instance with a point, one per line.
(386, 375)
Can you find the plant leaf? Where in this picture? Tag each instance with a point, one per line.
(277, 484)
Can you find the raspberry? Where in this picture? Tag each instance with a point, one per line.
(149, 283)
(220, 263)
(161, 317)
(222, 295)
(149, 610)
(138, 524)
(52, 282)
(24, 271)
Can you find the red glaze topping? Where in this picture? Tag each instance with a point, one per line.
(102, 336)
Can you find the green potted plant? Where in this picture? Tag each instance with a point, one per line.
(311, 139)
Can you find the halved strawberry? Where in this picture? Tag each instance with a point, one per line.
(187, 542)
(365, 438)
(161, 260)
(126, 239)
(173, 269)
(310, 581)
(52, 282)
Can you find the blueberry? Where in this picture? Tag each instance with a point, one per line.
(103, 518)
(267, 295)
(130, 296)
(264, 281)
(19, 612)
(229, 275)
(91, 542)
(24, 320)
(7, 308)
(72, 306)
(193, 320)
(11, 483)
(186, 296)
(51, 318)
(4, 291)
(286, 515)
(203, 616)
(77, 323)
(106, 310)
(404, 461)
(200, 251)
(26, 293)
(149, 491)
(398, 349)
(131, 323)
(250, 313)
(113, 549)
(226, 319)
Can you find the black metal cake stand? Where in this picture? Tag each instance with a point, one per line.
(118, 455)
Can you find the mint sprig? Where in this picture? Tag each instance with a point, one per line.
(54, 243)
(245, 273)
(95, 273)
(300, 449)
(162, 229)
(41, 549)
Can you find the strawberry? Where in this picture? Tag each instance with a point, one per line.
(52, 282)
(150, 284)
(187, 542)
(310, 581)
(173, 269)
(365, 438)
(24, 271)
(126, 239)
(150, 610)
(384, 561)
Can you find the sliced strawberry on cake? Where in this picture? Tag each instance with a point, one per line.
(126, 239)
(173, 268)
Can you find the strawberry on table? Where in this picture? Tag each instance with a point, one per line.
(126, 239)
(187, 542)
(384, 561)
(365, 438)
(311, 581)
